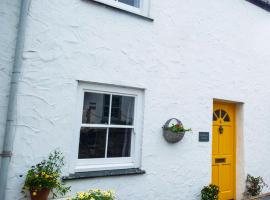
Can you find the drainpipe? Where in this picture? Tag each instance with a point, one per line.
(12, 100)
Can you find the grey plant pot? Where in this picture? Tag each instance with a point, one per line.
(172, 137)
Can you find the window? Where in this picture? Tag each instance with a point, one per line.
(140, 7)
(110, 127)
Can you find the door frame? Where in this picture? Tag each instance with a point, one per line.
(234, 104)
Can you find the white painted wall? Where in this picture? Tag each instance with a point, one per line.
(193, 52)
(9, 13)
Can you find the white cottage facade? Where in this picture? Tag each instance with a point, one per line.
(100, 78)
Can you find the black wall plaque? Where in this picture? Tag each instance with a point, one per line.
(203, 136)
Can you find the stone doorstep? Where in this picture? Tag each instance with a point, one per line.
(265, 196)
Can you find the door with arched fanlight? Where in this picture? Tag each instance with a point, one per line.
(223, 149)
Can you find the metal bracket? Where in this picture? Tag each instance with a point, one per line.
(6, 154)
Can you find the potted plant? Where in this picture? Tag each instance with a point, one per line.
(175, 132)
(45, 177)
(95, 194)
(210, 192)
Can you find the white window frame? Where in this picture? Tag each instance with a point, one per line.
(143, 10)
(95, 164)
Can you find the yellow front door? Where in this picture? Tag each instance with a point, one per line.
(223, 149)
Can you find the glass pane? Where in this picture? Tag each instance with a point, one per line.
(119, 142)
(223, 113)
(214, 117)
(135, 3)
(92, 143)
(217, 112)
(95, 108)
(227, 118)
(122, 110)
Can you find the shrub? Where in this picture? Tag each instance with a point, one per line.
(177, 128)
(210, 192)
(254, 185)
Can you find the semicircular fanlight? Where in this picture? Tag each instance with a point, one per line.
(221, 114)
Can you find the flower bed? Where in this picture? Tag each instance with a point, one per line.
(95, 194)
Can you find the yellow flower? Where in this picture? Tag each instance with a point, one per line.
(47, 176)
(112, 193)
(34, 193)
(107, 194)
(42, 173)
(81, 194)
(96, 190)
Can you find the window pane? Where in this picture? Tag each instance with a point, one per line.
(92, 143)
(119, 142)
(135, 3)
(95, 108)
(214, 117)
(223, 112)
(227, 118)
(217, 112)
(122, 110)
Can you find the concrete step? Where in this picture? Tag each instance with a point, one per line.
(265, 196)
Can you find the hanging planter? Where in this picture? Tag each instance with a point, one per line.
(174, 132)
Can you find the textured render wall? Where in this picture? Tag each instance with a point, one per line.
(193, 52)
(9, 12)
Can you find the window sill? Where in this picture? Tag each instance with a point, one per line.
(132, 11)
(261, 3)
(104, 173)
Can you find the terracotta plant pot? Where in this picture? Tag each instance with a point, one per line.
(40, 195)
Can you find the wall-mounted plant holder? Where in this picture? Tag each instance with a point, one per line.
(170, 135)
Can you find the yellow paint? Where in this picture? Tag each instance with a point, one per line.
(223, 149)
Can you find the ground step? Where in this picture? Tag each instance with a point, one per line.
(265, 196)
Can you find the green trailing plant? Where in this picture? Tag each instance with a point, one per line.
(177, 128)
(210, 192)
(95, 194)
(47, 175)
(254, 185)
